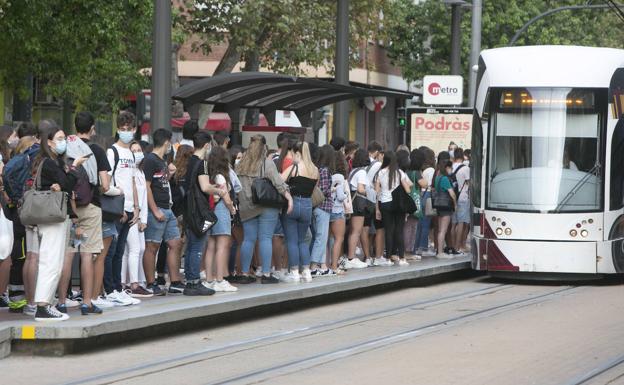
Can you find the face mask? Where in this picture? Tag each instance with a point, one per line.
(452, 153)
(236, 162)
(126, 136)
(138, 157)
(61, 147)
(13, 143)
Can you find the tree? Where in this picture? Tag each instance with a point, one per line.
(279, 35)
(89, 52)
(420, 33)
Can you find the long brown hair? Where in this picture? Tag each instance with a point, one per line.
(253, 157)
(182, 160)
(218, 163)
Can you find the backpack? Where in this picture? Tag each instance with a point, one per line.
(178, 196)
(17, 173)
(453, 179)
(83, 192)
(198, 215)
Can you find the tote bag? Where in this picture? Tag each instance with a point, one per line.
(42, 207)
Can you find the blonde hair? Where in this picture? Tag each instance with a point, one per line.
(24, 144)
(252, 158)
(304, 149)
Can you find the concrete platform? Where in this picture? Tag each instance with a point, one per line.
(176, 313)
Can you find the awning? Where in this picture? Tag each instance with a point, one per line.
(269, 92)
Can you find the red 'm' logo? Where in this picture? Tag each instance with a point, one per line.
(434, 88)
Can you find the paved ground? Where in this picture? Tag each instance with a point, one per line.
(473, 331)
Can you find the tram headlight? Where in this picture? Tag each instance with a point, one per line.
(499, 231)
(573, 233)
(508, 231)
(584, 233)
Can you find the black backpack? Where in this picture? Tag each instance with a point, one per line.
(197, 213)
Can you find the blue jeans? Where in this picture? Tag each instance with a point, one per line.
(296, 225)
(114, 258)
(422, 233)
(259, 228)
(321, 233)
(195, 247)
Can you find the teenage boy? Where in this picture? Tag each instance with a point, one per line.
(161, 222)
(377, 233)
(121, 160)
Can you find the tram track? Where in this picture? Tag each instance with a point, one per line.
(600, 370)
(233, 348)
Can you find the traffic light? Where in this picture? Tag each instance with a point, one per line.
(318, 120)
(402, 120)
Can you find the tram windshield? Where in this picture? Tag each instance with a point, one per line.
(545, 150)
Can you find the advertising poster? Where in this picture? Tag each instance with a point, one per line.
(436, 128)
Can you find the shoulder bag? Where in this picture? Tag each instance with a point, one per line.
(415, 195)
(42, 207)
(263, 192)
(112, 206)
(441, 199)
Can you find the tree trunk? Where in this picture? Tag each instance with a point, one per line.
(227, 64)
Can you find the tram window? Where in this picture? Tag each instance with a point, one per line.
(544, 150)
(617, 167)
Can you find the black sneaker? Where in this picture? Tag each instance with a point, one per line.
(77, 296)
(270, 279)
(160, 281)
(448, 250)
(176, 288)
(4, 301)
(233, 278)
(49, 314)
(246, 279)
(454, 252)
(62, 308)
(86, 310)
(155, 289)
(197, 288)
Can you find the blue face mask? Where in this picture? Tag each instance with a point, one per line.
(126, 136)
(61, 147)
(138, 157)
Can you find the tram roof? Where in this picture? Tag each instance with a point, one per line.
(552, 66)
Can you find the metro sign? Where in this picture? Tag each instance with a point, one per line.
(443, 90)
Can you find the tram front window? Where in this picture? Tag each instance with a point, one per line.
(544, 150)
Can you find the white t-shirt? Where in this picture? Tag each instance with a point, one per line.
(123, 174)
(385, 195)
(139, 180)
(220, 182)
(463, 178)
(428, 175)
(372, 171)
(359, 177)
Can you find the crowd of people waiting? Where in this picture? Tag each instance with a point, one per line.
(130, 211)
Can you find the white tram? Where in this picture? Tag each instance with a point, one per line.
(548, 162)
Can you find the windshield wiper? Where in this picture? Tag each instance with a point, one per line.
(594, 171)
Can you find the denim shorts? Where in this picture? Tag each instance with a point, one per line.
(462, 215)
(224, 222)
(336, 216)
(156, 231)
(108, 229)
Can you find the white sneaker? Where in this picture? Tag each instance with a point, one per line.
(370, 262)
(429, 253)
(128, 295)
(102, 303)
(259, 271)
(402, 262)
(71, 303)
(445, 256)
(382, 261)
(306, 276)
(292, 277)
(224, 286)
(209, 285)
(354, 263)
(119, 300)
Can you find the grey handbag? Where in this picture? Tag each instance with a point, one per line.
(42, 207)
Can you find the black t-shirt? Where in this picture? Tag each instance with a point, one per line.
(102, 165)
(193, 161)
(156, 172)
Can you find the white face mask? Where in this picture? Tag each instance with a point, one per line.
(236, 162)
(138, 157)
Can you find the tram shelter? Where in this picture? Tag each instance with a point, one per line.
(269, 92)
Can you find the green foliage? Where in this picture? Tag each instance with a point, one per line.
(420, 33)
(88, 51)
(282, 33)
